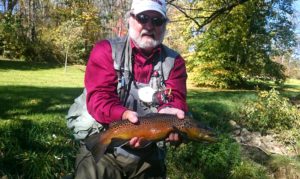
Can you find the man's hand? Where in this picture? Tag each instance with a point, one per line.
(132, 116)
(174, 111)
(173, 137)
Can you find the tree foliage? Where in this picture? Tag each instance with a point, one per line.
(42, 27)
(225, 43)
(238, 46)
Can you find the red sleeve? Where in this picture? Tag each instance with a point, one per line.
(101, 83)
(177, 82)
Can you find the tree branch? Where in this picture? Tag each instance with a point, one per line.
(227, 8)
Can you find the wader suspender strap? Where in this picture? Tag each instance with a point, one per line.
(168, 61)
(123, 65)
(126, 61)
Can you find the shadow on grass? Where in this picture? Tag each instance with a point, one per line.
(26, 100)
(36, 150)
(34, 140)
(217, 107)
(25, 66)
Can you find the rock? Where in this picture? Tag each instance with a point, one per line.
(256, 134)
(245, 138)
(267, 143)
(268, 138)
(260, 148)
(234, 125)
(256, 140)
(255, 153)
(245, 132)
(238, 139)
(276, 150)
(237, 132)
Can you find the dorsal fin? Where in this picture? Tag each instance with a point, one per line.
(117, 123)
(113, 124)
(151, 114)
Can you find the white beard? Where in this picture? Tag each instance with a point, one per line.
(143, 42)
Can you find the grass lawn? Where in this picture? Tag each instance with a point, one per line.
(35, 142)
(35, 98)
(292, 85)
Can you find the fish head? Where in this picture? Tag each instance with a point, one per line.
(197, 131)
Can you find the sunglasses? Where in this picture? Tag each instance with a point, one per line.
(144, 19)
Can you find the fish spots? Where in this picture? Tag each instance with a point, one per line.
(187, 124)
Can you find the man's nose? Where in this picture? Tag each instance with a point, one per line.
(148, 25)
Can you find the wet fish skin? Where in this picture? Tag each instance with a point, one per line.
(155, 127)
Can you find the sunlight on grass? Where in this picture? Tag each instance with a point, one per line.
(292, 85)
(54, 77)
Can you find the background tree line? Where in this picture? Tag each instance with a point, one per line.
(226, 43)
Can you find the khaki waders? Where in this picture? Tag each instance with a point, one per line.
(122, 164)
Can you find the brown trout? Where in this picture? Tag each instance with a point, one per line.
(155, 127)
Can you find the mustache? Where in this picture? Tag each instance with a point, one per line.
(146, 32)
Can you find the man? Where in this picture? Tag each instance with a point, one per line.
(130, 80)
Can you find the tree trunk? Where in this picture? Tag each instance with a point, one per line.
(66, 58)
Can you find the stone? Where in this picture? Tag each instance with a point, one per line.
(237, 132)
(245, 132)
(234, 125)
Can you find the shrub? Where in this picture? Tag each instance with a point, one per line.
(271, 113)
(206, 161)
(248, 170)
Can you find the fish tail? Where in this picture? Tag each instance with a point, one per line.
(95, 144)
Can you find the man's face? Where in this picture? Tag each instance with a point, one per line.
(147, 29)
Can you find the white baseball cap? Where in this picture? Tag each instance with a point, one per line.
(139, 6)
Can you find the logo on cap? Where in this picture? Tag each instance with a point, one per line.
(157, 1)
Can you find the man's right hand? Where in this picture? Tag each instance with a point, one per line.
(132, 116)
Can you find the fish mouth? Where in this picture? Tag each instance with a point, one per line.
(211, 137)
(208, 135)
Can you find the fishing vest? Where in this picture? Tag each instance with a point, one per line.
(128, 88)
(83, 124)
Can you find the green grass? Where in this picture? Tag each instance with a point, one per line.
(35, 142)
(292, 85)
(18, 73)
(216, 106)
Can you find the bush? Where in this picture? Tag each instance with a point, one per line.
(206, 161)
(271, 113)
(248, 170)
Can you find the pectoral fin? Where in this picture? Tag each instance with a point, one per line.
(116, 142)
(94, 145)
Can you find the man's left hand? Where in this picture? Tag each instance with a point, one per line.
(173, 137)
(174, 111)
